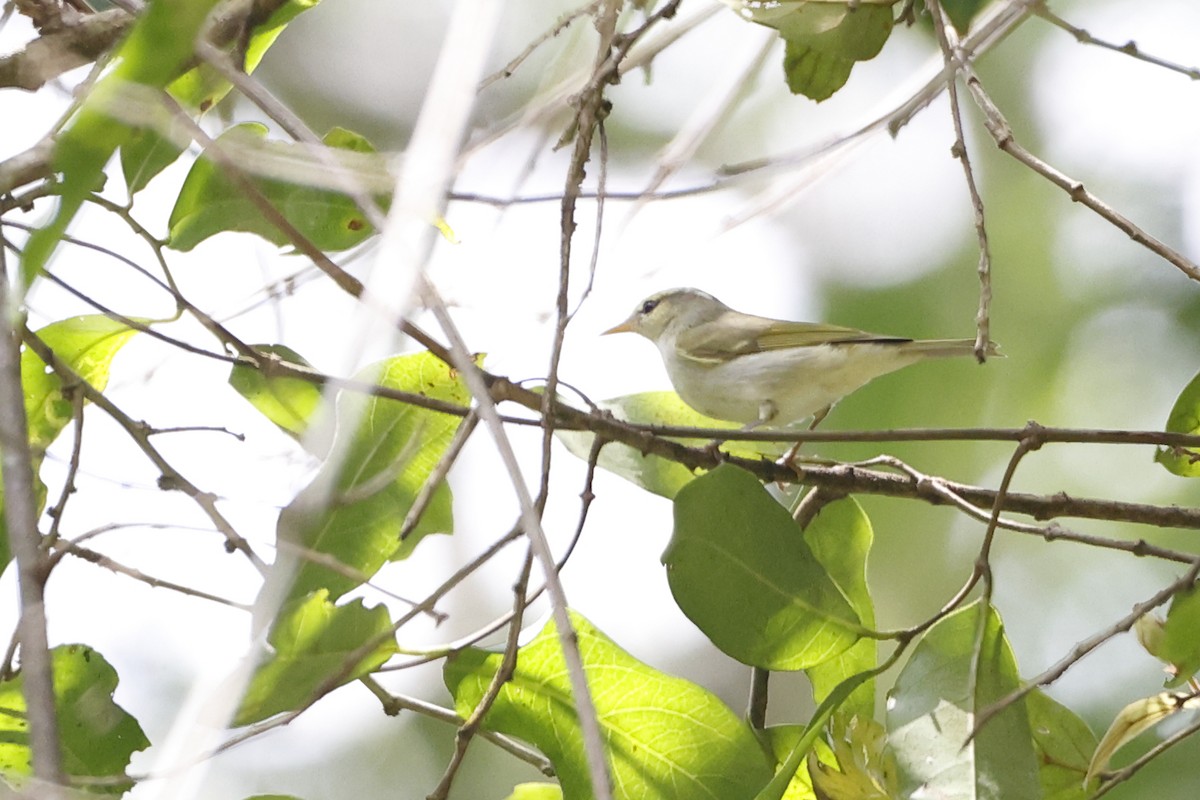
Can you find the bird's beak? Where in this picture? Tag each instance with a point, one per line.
(624, 327)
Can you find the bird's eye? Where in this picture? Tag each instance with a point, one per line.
(649, 306)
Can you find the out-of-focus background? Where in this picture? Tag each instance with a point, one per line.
(1097, 331)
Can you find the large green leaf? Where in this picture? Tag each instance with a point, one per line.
(1184, 418)
(87, 345)
(354, 508)
(147, 152)
(658, 475)
(156, 51)
(740, 568)
(840, 537)
(1064, 745)
(210, 203)
(98, 736)
(287, 402)
(934, 705)
(665, 737)
(316, 646)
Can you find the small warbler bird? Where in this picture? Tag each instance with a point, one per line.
(760, 371)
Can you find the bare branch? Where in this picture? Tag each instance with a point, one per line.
(25, 541)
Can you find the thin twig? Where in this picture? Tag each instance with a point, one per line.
(1130, 48)
(139, 433)
(951, 52)
(1002, 133)
(560, 25)
(393, 704)
(1125, 773)
(508, 662)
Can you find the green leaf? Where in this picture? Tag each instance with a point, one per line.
(98, 737)
(961, 12)
(86, 344)
(158, 47)
(148, 152)
(824, 39)
(658, 475)
(1064, 744)
(840, 537)
(315, 647)
(665, 737)
(210, 203)
(536, 791)
(393, 448)
(781, 740)
(813, 73)
(854, 33)
(1184, 418)
(934, 705)
(1180, 646)
(740, 569)
(144, 154)
(287, 402)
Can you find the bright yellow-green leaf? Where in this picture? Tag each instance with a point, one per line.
(85, 344)
(665, 738)
(536, 791)
(287, 402)
(354, 509)
(658, 475)
(315, 647)
(97, 735)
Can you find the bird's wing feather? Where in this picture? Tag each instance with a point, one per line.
(726, 338)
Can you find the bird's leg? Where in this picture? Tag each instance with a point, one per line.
(789, 458)
(766, 413)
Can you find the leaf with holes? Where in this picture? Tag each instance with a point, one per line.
(98, 737)
(210, 203)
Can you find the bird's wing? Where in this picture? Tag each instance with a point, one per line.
(725, 339)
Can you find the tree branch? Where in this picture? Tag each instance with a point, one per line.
(20, 516)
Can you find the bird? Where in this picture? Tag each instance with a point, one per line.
(767, 372)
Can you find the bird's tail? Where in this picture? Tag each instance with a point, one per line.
(942, 348)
